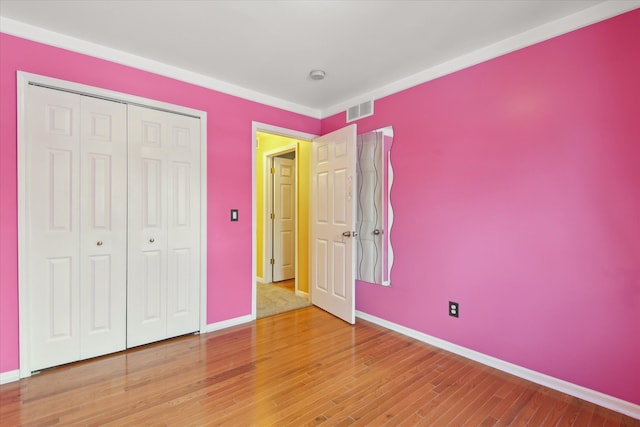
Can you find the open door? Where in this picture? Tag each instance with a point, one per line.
(333, 221)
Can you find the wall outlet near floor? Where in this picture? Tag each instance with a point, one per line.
(454, 310)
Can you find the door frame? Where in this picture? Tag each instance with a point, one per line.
(24, 79)
(267, 190)
(275, 130)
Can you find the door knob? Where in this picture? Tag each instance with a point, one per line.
(377, 232)
(151, 240)
(350, 234)
(99, 243)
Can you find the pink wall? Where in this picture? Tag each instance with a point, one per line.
(229, 176)
(517, 194)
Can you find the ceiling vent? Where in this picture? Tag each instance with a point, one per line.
(359, 111)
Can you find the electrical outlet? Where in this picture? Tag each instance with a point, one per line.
(454, 309)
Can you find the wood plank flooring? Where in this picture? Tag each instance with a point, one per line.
(302, 367)
(289, 285)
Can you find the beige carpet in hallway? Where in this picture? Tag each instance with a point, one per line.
(273, 300)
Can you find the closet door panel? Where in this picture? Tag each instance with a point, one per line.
(53, 232)
(183, 304)
(103, 226)
(147, 248)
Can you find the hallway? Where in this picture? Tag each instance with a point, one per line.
(277, 297)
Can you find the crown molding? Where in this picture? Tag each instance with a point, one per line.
(541, 33)
(51, 38)
(588, 16)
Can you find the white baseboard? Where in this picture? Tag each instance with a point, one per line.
(9, 376)
(575, 390)
(303, 294)
(227, 323)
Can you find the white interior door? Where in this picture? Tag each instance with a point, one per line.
(76, 241)
(164, 231)
(333, 209)
(284, 205)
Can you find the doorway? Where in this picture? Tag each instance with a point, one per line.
(331, 170)
(275, 146)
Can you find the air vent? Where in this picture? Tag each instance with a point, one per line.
(359, 111)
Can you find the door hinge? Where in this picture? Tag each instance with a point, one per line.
(273, 216)
(272, 261)
(273, 171)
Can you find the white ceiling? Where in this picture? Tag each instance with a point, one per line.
(269, 47)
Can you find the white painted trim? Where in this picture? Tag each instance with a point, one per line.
(589, 16)
(9, 376)
(51, 38)
(212, 327)
(390, 218)
(302, 294)
(23, 271)
(276, 130)
(575, 390)
(23, 80)
(204, 241)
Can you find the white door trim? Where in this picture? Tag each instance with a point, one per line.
(276, 130)
(23, 80)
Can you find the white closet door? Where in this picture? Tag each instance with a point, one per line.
(147, 271)
(53, 226)
(183, 221)
(103, 227)
(164, 234)
(72, 310)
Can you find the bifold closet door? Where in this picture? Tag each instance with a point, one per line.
(164, 225)
(75, 251)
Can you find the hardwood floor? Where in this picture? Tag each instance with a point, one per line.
(302, 367)
(289, 285)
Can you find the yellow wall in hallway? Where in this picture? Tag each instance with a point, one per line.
(268, 142)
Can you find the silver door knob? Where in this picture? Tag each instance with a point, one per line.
(377, 232)
(151, 240)
(99, 243)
